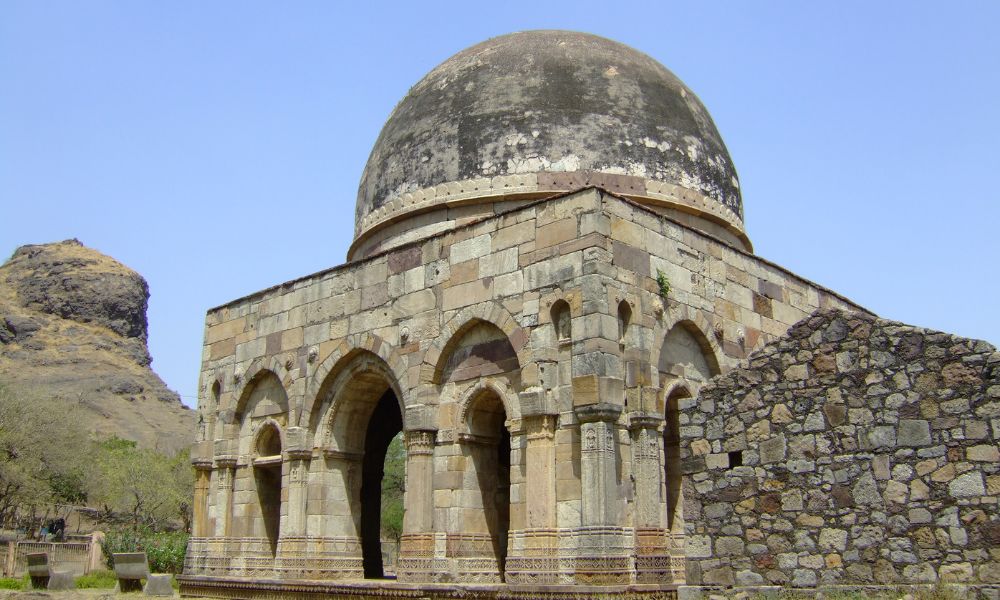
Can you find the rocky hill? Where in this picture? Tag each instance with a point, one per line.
(73, 326)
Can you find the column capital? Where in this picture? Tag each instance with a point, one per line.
(225, 461)
(536, 402)
(201, 455)
(420, 441)
(644, 420)
(298, 442)
(299, 454)
(602, 411)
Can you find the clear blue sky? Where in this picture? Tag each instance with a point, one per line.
(216, 147)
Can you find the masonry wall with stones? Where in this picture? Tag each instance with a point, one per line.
(535, 368)
(853, 451)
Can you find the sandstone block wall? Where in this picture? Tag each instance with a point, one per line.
(539, 334)
(854, 451)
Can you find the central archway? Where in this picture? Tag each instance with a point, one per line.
(361, 414)
(383, 425)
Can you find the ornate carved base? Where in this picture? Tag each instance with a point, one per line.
(295, 558)
(246, 589)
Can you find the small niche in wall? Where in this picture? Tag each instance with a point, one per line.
(624, 320)
(735, 459)
(561, 321)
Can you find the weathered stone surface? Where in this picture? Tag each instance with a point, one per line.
(73, 327)
(862, 491)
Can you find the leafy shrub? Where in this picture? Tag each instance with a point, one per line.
(164, 550)
(97, 580)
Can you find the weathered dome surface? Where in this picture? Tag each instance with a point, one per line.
(548, 111)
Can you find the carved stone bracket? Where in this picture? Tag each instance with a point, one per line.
(541, 427)
(642, 420)
(420, 442)
(225, 462)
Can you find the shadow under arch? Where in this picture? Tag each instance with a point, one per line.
(687, 354)
(267, 479)
(260, 414)
(672, 456)
(487, 443)
(358, 413)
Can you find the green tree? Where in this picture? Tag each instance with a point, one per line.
(393, 485)
(44, 451)
(149, 488)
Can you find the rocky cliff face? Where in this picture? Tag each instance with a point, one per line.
(73, 325)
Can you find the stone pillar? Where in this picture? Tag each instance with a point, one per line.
(605, 546)
(541, 477)
(201, 460)
(299, 453)
(598, 458)
(652, 539)
(226, 470)
(294, 556)
(416, 549)
(533, 552)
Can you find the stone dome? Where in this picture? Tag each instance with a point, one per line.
(530, 114)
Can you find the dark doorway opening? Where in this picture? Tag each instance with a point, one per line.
(268, 481)
(491, 458)
(383, 425)
(672, 455)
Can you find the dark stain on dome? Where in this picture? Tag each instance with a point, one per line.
(548, 101)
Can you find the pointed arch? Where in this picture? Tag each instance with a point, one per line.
(268, 439)
(500, 388)
(695, 323)
(339, 357)
(346, 397)
(451, 334)
(244, 381)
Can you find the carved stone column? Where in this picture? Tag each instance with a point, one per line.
(294, 557)
(226, 469)
(652, 539)
(201, 460)
(417, 544)
(299, 453)
(533, 556)
(604, 549)
(541, 477)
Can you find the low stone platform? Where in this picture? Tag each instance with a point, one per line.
(245, 589)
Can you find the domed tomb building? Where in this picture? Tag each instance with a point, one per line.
(549, 261)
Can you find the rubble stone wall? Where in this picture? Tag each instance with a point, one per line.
(853, 451)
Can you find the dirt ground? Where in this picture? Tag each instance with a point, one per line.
(72, 595)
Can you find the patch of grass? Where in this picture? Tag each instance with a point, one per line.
(9, 583)
(101, 580)
(940, 591)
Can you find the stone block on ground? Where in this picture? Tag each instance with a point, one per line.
(61, 580)
(159, 584)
